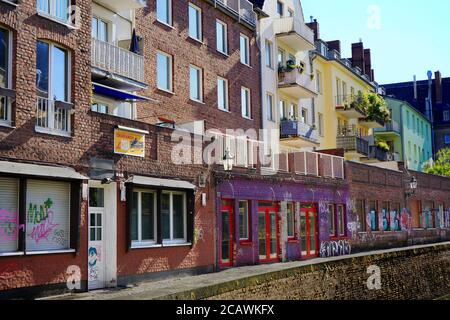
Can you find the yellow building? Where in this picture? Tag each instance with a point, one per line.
(341, 125)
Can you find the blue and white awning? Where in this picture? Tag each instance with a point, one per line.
(117, 94)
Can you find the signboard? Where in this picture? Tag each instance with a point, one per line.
(129, 143)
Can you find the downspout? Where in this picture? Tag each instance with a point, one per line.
(402, 138)
(312, 57)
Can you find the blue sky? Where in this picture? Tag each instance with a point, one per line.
(411, 37)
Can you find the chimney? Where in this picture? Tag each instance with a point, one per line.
(415, 87)
(368, 63)
(314, 26)
(438, 86)
(358, 56)
(334, 45)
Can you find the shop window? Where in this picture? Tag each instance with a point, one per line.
(173, 214)
(290, 215)
(244, 218)
(9, 215)
(373, 212)
(361, 214)
(48, 216)
(331, 220)
(143, 218)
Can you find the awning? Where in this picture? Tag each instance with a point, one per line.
(40, 170)
(117, 94)
(165, 183)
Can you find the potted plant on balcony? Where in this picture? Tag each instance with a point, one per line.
(382, 145)
(377, 108)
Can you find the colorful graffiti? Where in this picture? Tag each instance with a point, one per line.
(335, 248)
(42, 218)
(93, 259)
(9, 225)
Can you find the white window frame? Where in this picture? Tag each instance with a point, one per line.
(247, 103)
(106, 22)
(50, 129)
(225, 95)
(244, 54)
(169, 12)
(282, 9)
(199, 26)
(143, 243)
(270, 99)
(319, 82)
(173, 241)
(200, 83)
(170, 71)
(269, 54)
(7, 121)
(320, 124)
(247, 217)
(225, 37)
(51, 15)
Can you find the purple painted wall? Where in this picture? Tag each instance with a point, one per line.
(257, 190)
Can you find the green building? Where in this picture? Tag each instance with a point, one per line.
(408, 134)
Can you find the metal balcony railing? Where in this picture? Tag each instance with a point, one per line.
(294, 128)
(392, 126)
(52, 115)
(242, 8)
(119, 61)
(353, 144)
(348, 102)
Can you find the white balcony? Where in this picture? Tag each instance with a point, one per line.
(119, 64)
(296, 84)
(123, 5)
(294, 34)
(243, 9)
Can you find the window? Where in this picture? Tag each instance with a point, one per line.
(164, 11)
(293, 112)
(195, 83)
(269, 54)
(245, 103)
(446, 115)
(52, 84)
(408, 120)
(281, 59)
(340, 98)
(143, 218)
(385, 215)
(99, 29)
(373, 209)
(195, 22)
(100, 108)
(48, 215)
(331, 220)
(283, 110)
(245, 49)
(290, 216)
(164, 71)
(280, 8)
(96, 197)
(5, 77)
(221, 37)
(173, 214)
(304, 117)
(319, 82)
(395, 217)
(222, 94)
(58, 9)
(9, 215)
(341, 220)
(320, 116)
(270, 113)
(361, 214)
(244, 225)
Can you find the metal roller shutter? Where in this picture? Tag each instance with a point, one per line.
(48, 215)
(9, 214)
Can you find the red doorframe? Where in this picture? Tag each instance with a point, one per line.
(227, 206)
(267, 209)
(313, 209)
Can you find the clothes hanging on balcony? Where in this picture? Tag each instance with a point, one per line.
(134, 46)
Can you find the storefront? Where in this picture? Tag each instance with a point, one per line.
(262, 221)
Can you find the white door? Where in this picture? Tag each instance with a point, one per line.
(96, 248)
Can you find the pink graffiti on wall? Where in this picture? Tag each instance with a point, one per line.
(43, 230)
(405, 220)
(9, 225)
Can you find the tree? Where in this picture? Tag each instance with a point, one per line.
(441, 167)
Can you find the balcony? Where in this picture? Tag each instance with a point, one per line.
(122, 68)
(296, 83)
(383, 155)
(316, 164)
(294, 34)
(298, 134)
(351, 142)
(372, 122)
(242, 9)
(346, 106)
(123, 5)
(390, 129)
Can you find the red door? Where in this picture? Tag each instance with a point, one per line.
(268, 223)
(226, 245)
(309, 233)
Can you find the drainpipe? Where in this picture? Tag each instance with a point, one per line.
(312, 56)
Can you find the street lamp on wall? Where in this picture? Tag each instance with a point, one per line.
(412, 187)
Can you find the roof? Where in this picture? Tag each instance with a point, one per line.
(40, 170)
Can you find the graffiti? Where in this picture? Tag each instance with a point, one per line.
(354, 228)
(368, 237)
(43, 219)
(335, 248)
(93, 258)
(199, 235)
(405, 221)
(73, 278)
(385, 220)
(59, 237)
(395, 221)
(9, 225)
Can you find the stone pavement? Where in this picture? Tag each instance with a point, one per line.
(183, 288)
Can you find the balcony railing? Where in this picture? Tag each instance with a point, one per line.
(53, 115)
(297, 34)
(296, 83)
(373, 121)
(332, 166)
(119, 61)
(392, 126)
(383, 155)
(346, 104)
(353, 144)
(317, 164)
(242, 8)
(292, 129)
